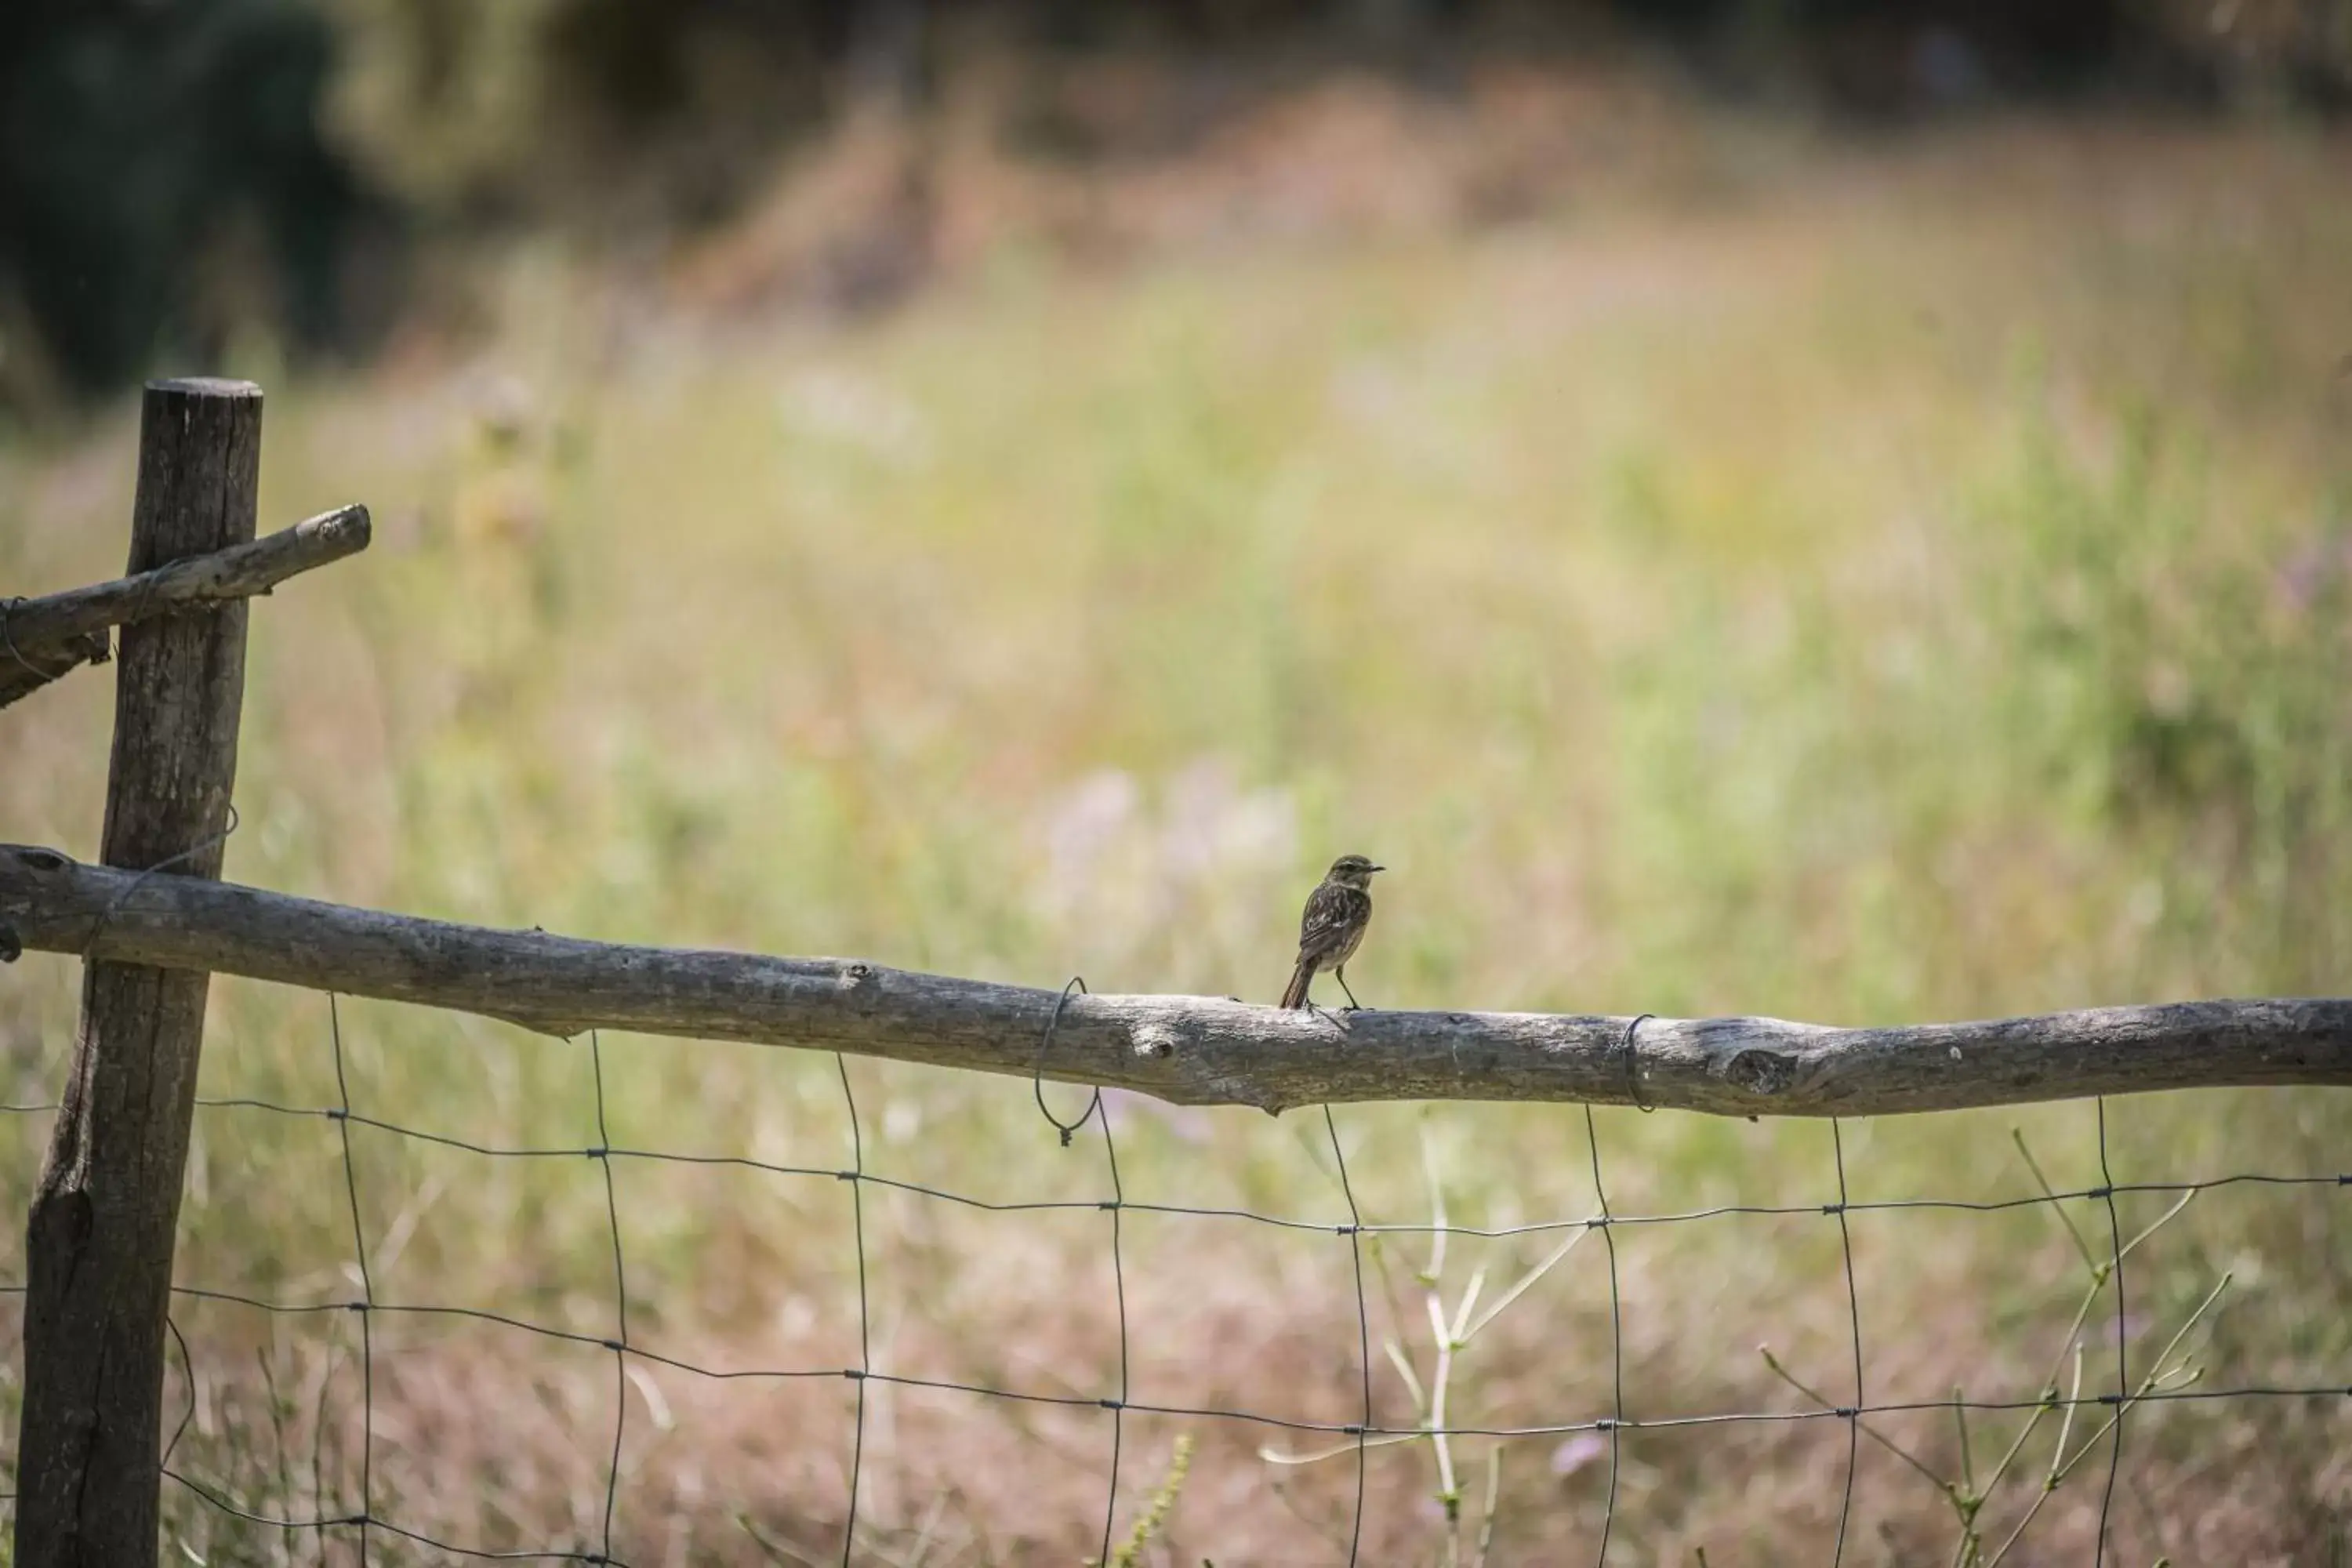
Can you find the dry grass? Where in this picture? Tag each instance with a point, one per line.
(1902, 586)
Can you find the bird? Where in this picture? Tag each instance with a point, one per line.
(1332, 927)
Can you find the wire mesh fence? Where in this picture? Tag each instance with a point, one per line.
(2091, 1423)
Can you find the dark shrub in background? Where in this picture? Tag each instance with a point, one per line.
(140, 142)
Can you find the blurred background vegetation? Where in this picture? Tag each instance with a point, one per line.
(174, 172)
(1833, 510)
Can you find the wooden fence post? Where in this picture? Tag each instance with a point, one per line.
(99, 1246)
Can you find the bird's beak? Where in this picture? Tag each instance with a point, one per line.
(1379, 867)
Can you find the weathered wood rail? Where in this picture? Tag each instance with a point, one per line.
(43, 638)
(1194, 1051)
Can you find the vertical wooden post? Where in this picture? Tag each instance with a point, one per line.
(100, 1243)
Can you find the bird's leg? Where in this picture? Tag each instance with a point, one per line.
(1314, 1009)
(1340, 973)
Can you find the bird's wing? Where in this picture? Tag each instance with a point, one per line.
(1331, 910)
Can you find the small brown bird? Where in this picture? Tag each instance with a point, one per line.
(1333, 927)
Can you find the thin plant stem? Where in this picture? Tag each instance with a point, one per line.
(1486, 1516)
(1447, 1491)
(1873, 1433)
(1526, 1282)
(2061, 1467)
(2056, 1207)
(1967, 1460)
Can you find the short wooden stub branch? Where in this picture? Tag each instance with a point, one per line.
(1194, 1050)
(43, 638)
(99, 1250)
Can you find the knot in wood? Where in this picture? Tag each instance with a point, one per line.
(1760, 1071)
(1154, 1040)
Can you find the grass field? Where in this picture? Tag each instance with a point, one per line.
(1882, 588)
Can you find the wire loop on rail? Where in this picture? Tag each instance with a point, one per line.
(8, 607)
(1068, 1130)
(1633, 1067)
(98, 927)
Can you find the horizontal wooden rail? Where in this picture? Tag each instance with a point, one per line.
(1194, 1050)
(43, 638)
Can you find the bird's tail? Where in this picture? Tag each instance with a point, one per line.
(1300, 979)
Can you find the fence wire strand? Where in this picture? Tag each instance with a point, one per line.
(620, 1346)
(2122, 1365)
(1615, 1425)
(1361, 1429)
(1854, 1317)
(856, 1176)
(1118, 1283)
(331, 1515)
(365, 1305)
